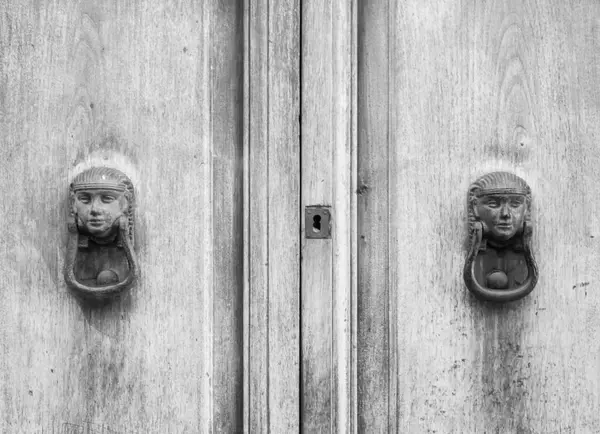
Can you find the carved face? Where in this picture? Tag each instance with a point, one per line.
(502, 214)
(99, 210)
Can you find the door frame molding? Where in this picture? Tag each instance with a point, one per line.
(271, 296)
(277, 185)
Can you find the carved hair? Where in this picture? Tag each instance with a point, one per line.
(110, 179)
(497, 183)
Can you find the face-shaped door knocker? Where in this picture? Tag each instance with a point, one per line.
(100, 261)
(500, 266)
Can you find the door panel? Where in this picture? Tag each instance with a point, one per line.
(447, 93)
(153, 90)
(327, 278)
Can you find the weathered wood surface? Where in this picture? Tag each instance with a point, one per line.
(272, 186)
(152, 89)
(374, 375)
(445, 94)
(328, 282)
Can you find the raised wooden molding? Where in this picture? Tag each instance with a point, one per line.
(272, 216)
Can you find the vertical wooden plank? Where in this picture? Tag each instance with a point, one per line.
(226, 110)
(354, 235)
(373, 219)
(152, 90)
(327, 179)
(477, 87)
(345, 239)
(257, 145)
(274, 188)
(247, 319)
(205, 216)
(317, 189)
(283, 212)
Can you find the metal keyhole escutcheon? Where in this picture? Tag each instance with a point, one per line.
(317, 222)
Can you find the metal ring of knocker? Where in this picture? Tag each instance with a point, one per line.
(499, 212)
(99, 292)
(499, 295)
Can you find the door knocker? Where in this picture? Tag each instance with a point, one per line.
(500, 266)
(100, 261)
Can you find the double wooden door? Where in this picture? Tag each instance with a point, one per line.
(231, 119)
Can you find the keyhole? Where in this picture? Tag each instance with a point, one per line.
(317, 224)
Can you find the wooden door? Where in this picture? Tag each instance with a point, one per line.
(231, 119)
(153, 89)
(404, 104)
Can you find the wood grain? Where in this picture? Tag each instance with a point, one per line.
(445, 94)
(374, 379)
(273, 187)
(475, 87)
(317, 157)
(256, 398)
(327, 180)
(227, 199)
(152, 90)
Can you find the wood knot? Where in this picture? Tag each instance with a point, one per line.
(362, 189)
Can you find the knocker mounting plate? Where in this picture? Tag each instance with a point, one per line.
(500, 266)
(100, 261)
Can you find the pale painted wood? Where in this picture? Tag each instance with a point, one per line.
(374, 373)
(225, 108)
(272, 288)
(283, 216)
(327, 179)
(447, 93)
(256, 284)
(153, 90)
(317, 179)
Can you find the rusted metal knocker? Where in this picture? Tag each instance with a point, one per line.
(100, 261)
(500, 266)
